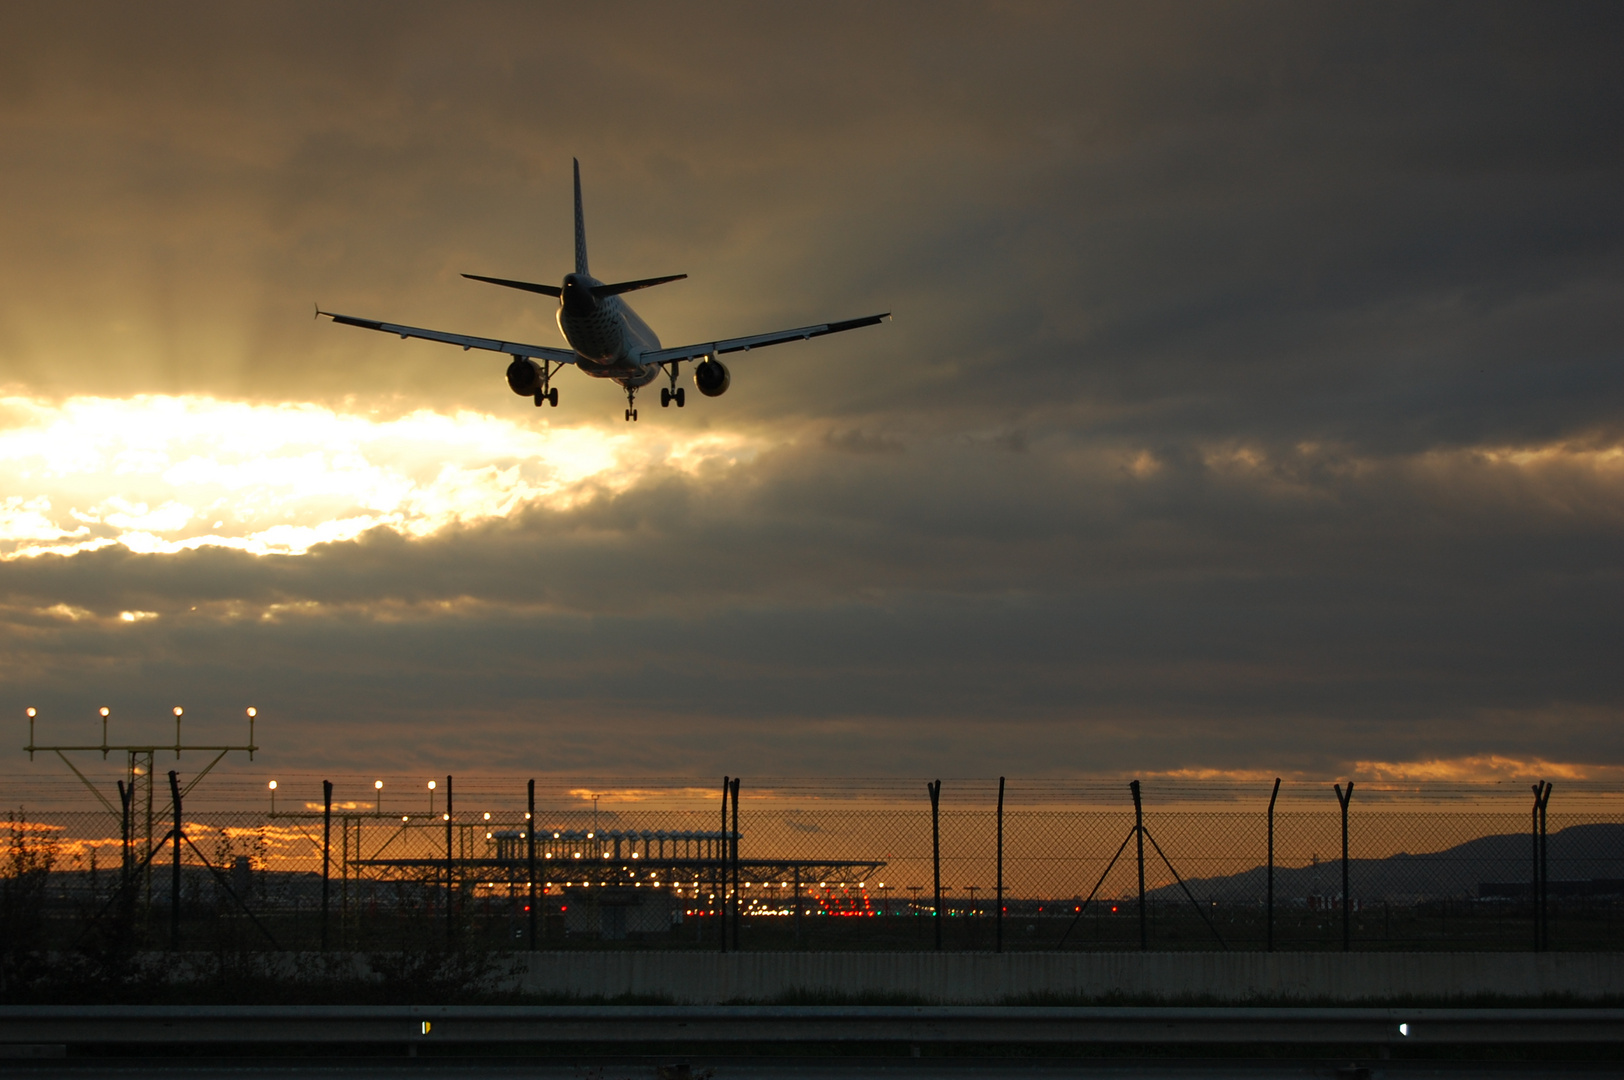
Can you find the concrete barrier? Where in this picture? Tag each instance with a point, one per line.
(987, 978)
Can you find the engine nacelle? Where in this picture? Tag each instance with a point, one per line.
(712, 378)
(524, 376)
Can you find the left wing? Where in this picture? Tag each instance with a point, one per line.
(512, 348)
(745, 344)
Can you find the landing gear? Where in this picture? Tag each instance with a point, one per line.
(631, 403)
(675, 393)
(524, 370)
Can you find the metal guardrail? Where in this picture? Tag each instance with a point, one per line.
(632, 1024)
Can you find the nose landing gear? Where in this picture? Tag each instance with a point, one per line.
(631, 403)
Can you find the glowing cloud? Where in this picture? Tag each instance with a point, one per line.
(168, 473)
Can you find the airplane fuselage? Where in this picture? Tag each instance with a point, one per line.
(606, 334)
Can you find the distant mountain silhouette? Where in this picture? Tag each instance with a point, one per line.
(1577, 853)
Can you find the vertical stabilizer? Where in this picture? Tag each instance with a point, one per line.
(580, 225)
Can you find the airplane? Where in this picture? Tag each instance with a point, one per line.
(607, 339)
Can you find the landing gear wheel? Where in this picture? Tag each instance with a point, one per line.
(631, 414)
(665, 398)
(552, 397)
(680, 396)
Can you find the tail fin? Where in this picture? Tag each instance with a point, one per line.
(580, 225)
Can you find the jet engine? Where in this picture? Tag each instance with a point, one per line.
(524, 376)
(712, 377)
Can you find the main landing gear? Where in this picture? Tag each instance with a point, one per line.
(675, 393)
(549, 396)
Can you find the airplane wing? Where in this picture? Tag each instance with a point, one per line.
(511, 348)
(745, 344)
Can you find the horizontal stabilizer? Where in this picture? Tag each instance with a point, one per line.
(545, 290)
(629, 286)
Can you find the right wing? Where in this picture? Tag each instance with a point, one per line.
(745, 344)
(511, 348)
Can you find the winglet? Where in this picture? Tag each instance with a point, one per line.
(580, 224)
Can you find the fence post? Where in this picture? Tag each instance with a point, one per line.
(174, 880)
(1543, 911)
(1347, 898)
(326, 854)
(719, 872)
(935, 790)
(738, 896)
(1139, 835)
(999, 913)
(1272, 796)
(530, 855)
(797, 902)
(125, 796)
(1533, 884)
(450, 868)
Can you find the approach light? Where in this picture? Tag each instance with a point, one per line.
(405, 817)
(487, 815)
(378, 785)
(431, 785)
(104, 710)
(252, 712)
(446, 817)
(1404, 1029)
(272, 785)
(179, 710)
(31, 713)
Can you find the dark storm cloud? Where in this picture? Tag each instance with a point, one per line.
(1181, 449)
(1092, 608)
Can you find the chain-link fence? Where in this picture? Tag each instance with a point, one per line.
(816, 866)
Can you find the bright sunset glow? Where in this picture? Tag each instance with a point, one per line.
(169, 473)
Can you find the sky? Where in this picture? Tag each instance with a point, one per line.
(1253, 401)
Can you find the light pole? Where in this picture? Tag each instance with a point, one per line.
(104, 711)
(31, 713)
(178, 711)
(377, 785)
(431, 798)
(272, 786)
(252, 712)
